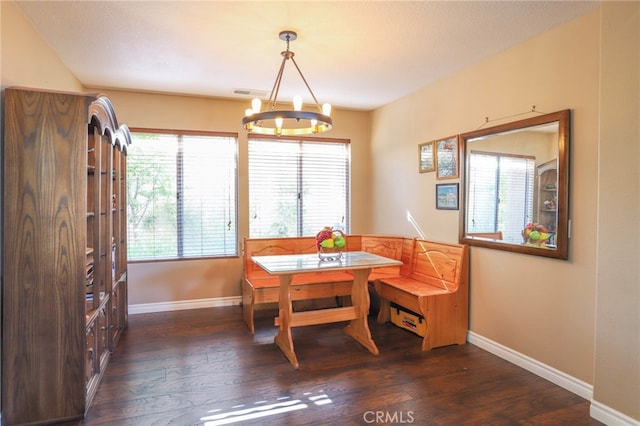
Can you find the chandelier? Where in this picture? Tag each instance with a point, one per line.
(287, 122)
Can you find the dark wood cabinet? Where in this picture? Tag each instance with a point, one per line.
(64, 264)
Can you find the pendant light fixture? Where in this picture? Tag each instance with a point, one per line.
(287, 122)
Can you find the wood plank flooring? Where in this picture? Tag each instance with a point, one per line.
(203, 367)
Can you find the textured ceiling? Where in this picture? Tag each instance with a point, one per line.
(359, 54)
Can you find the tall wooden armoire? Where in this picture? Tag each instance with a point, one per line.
(64, 283)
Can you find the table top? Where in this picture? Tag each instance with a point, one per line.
(298, 263)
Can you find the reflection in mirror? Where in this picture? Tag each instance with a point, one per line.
(515, 186)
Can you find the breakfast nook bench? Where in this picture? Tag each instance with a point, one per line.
(433, 284)
(431, 281)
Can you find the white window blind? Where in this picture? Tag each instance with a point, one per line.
(297, 187)
(501, 186)
(181, 196)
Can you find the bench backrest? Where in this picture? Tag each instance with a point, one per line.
(269, 246)
(442, 265)
(394, 247)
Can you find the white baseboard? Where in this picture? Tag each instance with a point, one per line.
(557, 377)
(597, 410)
(609, 416)
(146, 308)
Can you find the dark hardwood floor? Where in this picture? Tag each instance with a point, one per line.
(203, 367)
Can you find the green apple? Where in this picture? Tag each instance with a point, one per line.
(328, 243)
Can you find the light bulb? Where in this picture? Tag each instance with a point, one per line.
(326, 109)
(248, 111)
(297, 103)
(279, 122)
(256, 104)
(314, 122)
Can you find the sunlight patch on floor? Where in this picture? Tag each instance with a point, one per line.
(264, 408)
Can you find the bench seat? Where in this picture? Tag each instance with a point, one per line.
(412, 287)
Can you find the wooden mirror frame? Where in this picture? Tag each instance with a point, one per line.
(562, 235)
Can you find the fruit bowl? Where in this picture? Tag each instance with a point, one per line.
(330, 243)
(535, 234)
(327, 256)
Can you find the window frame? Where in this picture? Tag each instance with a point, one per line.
(179, 157)
(498, 186)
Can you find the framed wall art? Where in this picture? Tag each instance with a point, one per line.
(426, 157)
(447, 196)
(447, 158)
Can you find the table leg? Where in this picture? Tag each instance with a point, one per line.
(359, 327)
(283, 338)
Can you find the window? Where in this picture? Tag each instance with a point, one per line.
(181, 195)
(297, 187)
(501, 195)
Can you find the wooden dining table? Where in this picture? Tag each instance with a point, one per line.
(286, 266)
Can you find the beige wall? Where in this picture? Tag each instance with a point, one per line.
(617, 343)
(541, 308)
(579, 316)
(205, 279)
(27, 60)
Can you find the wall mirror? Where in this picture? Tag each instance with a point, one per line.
(515, 186)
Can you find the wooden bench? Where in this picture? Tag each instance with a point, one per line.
(258, 287)
(433, 282)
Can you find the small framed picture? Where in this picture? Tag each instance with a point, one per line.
(447, 196)
(426, 157)
(447, 159)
